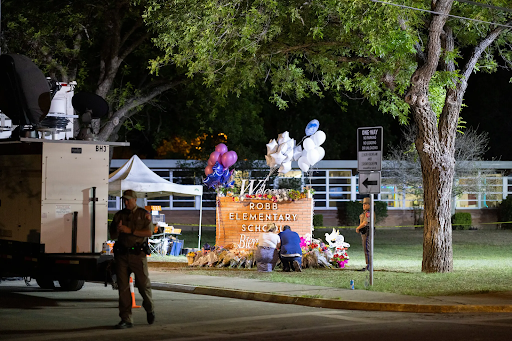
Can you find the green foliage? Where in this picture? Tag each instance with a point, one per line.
(290, 183)
(461, 221)
(349, 211)
(318, 220)
(381, 211)
(505, 212)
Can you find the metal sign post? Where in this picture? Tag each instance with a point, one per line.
(372, 224)
(369, 164)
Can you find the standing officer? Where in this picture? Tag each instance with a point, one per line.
(364, 230)
(131, 227)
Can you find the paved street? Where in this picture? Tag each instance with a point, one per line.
(29, 313)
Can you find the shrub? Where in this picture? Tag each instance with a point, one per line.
(381, 211)
(318, 220)
(290, 183)
(505, 212)
(461, 221)
(349, 211)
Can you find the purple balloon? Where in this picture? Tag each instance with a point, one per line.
(229, 159)
(221, 148)
(214, 157)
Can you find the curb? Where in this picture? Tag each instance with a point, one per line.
(332, 304)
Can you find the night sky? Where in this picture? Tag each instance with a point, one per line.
(489, 108)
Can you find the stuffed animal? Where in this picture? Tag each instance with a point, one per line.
(336, 240)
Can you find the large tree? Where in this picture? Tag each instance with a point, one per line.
(405, 61)
(103, 45)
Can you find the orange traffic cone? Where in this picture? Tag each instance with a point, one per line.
(132, 290)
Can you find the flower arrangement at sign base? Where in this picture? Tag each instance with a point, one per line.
(275, 195)
(315, 253)
(337, 243)
(190, 257)
(224, 257)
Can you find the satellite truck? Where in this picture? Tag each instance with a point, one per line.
(53, 180)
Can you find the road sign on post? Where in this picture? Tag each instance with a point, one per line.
(369, 149)
(369, 183)
(369, 164)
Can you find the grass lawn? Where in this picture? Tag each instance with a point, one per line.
(481, 264)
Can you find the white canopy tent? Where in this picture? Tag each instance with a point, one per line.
(135, 175)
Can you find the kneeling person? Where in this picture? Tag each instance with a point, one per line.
(290, 253)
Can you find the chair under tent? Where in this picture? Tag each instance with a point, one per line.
(135, 175)
(166, 243)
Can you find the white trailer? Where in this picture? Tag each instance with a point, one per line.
(53, 210)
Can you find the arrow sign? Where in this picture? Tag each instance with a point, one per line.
(367, 183)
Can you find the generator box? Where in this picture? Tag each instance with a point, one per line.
(44, 182)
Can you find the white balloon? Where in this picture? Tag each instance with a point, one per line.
(278, 158)
(284, 136)
(270, 161)
(283, 148)
(291, 143)
(271, 147)
(303, 164)
(318, 137)
(313, 156)
(308, 144)
(285, 167)
(297, 153)
(288, 157)
(321, 152)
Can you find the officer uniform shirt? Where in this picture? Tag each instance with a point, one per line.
(137, 220)
(364, 217)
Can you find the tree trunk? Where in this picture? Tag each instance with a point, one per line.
(438, 172)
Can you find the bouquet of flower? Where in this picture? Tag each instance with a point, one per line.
(339, 260)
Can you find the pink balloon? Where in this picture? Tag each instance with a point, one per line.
(208, 170)
(221, 148)
(214, 157)
(229, 159)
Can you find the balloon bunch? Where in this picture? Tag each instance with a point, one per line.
(282, 152)
(217, 172)
(312, 152)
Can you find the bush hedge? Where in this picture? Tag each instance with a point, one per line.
(505, 212)
(349, 211)
(461, 221)
(318, 220)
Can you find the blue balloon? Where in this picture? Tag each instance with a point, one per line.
(312, 127)
(218, 169)
(212, 180)
(219, 177)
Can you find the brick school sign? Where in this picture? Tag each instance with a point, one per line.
(241, 222)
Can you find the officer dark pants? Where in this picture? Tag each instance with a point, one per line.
(138, 264)
(366, 246)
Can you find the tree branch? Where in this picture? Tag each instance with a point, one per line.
(127, 110)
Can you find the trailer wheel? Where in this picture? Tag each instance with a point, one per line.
(71, 284)
(45, 283)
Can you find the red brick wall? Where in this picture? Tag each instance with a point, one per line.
(242, 222)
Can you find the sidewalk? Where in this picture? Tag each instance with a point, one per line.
(326, 297)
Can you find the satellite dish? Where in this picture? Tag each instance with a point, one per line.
(24, 91)
(87, 101)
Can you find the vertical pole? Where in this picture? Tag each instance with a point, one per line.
(372, 219)
(93, 223)
(200, 218)
(74, 228)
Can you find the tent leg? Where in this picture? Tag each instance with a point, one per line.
(200, 220)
